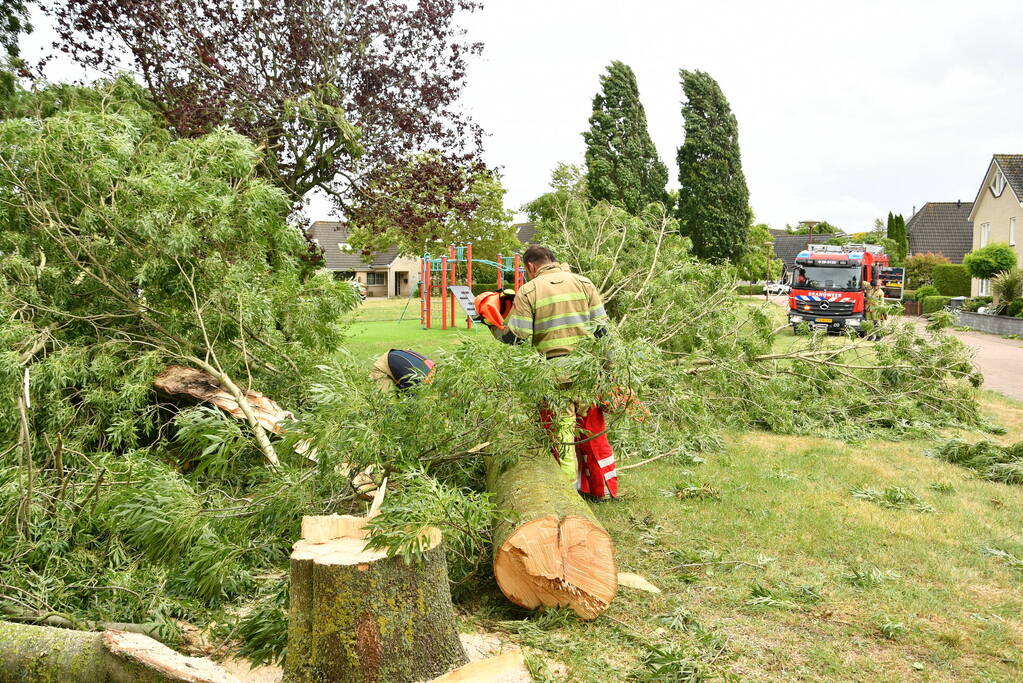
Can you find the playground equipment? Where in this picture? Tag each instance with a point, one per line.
(440, 275)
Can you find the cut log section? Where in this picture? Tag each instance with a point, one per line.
(357, 616)
(549, 549)
(41, 653)
(509, 667)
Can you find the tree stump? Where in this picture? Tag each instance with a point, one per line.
(552, 551)
(357, 616)
(33, 654)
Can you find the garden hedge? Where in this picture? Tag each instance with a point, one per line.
(749, 289)
(926, 291)
(909, 295)
(951, 279)
(935, 303)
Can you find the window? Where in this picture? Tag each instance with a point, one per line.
(984, 288)
(1012, 231)
(376, 279)
(997, 183)
(985, 234)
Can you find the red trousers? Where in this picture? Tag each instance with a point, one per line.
(597, 475)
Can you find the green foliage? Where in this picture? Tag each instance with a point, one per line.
(749, 290)
(866, 577)
(467, 206)
(989, 460)
(926, 291)
(894, 497)
(940, 319)
(1006, 287)
(986, 262)
(932, 304)
(622, 165)
(920, 269)
(760, 262)
(1014, 308)
(908, 295)
(890, 629)
(713, 204)
(898, 246)
(951, 279)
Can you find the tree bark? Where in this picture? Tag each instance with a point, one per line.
(41, 654)
(549, 549)
(357, 616)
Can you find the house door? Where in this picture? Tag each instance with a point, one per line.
(400, 284)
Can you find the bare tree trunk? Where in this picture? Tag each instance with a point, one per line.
(357, 616)
(550, 550)
(37, 654)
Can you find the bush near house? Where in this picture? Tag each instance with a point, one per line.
(920, 268)
(926, 291)
(1014, 308)
(749, 289)
(986, 262)
(951, 279)
(933, 304)
(909, 295)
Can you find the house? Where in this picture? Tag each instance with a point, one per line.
(386, 273)
(525, 232)
(941, 228)
(997, 213)
(787, 247)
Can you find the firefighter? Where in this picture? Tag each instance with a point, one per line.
(555, 310)
(401, 369)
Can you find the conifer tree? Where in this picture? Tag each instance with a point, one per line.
(622, 166)
(713, 205)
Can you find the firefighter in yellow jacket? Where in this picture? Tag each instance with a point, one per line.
(554, 311)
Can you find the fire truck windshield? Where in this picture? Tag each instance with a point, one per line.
(834, 278)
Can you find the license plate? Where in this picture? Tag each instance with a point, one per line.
(825, 320)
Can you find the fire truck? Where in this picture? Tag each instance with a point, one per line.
(829, 283)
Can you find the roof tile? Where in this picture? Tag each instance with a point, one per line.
(942, 228)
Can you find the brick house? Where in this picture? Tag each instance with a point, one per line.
(997, 213)
(386, 274)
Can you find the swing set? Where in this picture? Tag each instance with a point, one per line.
(439, 275)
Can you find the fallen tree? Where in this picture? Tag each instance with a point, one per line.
(359, 616)
(33, 654)
(549, 549)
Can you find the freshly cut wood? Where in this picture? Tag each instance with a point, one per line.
(509, 667)
(636, 581)
(178, 380)
(31, 654)
(549, 549)
(357, 616)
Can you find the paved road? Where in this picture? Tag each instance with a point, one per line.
(1000, 360)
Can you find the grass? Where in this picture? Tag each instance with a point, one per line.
(771, 570)
(378, 325)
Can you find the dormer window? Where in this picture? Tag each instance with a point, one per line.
(997, 183)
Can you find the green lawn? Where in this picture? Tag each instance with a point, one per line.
(834, 587)
(378, 326)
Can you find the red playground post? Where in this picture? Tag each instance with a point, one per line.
(444, 292)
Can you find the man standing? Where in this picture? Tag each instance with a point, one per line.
(556, 310)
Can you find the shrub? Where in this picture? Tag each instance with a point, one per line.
(926, 291)
(480, 287)
(1015, 308)
(920, 267)
(749, 289)
(1007, 286)
(935, 303)
(908, 295)
(951, 279)
(986, 262)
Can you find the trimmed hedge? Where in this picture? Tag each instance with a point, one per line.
(951, 279)
(933, 304)
(908, 295)
(926, 291)
(480, 287)
(1014, 308)
(749, 289)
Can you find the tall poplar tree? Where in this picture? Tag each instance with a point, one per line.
(713, 200)
(622, 166)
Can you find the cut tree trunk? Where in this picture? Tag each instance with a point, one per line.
(357, 616)
(34, 654)
(549, 549)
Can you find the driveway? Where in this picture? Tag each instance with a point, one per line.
(1000, 360)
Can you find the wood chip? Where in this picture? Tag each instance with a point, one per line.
(636, 581)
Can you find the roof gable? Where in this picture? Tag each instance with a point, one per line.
(330, 235)
(787, 247)
(1011, 167)
(941, 228)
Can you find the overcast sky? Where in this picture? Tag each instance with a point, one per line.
(844, 114)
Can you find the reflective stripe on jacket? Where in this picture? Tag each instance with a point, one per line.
(556, 310)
